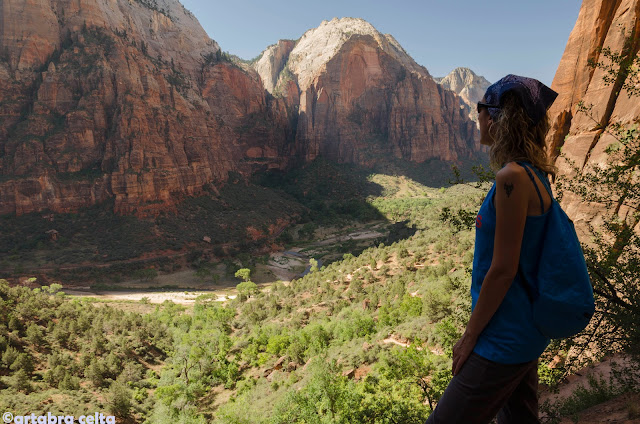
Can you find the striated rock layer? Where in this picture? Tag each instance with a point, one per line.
(105, 99)
(582, 139)
(130, 100)
(361, 98)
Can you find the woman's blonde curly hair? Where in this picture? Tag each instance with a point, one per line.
(517, 139)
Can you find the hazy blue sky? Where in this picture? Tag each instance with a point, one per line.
(494, 38)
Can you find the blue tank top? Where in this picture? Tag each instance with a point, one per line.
(510, 337)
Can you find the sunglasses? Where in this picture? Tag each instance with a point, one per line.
(487, 105)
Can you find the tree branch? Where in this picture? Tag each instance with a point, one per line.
(613, 297)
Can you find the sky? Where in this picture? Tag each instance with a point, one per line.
(493, 38)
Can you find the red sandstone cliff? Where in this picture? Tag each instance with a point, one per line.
(361, 98)
(581, 139)
(123, 100)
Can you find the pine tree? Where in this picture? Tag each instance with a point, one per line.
(21, 381)
(119, 400)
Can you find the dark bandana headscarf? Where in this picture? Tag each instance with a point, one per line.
(535, 96)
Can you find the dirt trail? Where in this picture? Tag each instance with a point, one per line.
(395, 342)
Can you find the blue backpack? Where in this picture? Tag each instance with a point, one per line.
(561, 292)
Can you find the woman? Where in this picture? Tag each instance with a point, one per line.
(495, 361)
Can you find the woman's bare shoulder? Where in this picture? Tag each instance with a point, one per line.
(511, 171)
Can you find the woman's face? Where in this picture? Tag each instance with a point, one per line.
(485, 122)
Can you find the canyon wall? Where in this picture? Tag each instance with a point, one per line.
(123, 100)
(130, 101)
(582, 138)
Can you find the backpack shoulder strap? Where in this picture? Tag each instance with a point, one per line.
(533, 180)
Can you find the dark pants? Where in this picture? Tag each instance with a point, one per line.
(483, 389)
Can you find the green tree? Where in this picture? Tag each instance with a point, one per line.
(15, 324)
(313, 265)
(147, 274)
(203, 273)
(23, 362)
(9, 356)
(417, 365)
(96, 373)
(244, 274)
(246, 289)
(327, 398)
(52, 289)
(35, 335)
(21, 381)
(119, 400)
(69, 382)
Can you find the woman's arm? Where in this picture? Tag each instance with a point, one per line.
(511, 202)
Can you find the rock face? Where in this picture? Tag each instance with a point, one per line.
(31, 30)
(582, 138)
(361, 98)
(466, 84)
(271, 63)
(129, 101)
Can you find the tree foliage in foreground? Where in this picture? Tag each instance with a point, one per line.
(68, 356)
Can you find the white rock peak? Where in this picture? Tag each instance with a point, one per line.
(465, 83)
(317, 46)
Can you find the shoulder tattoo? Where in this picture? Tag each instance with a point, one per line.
(508, 188)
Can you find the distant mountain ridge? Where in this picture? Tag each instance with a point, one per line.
(319, 45)
(466, 84)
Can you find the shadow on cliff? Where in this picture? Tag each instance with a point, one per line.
(333, 193)
(338, 194)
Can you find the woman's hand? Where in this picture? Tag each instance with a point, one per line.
(462, 350)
